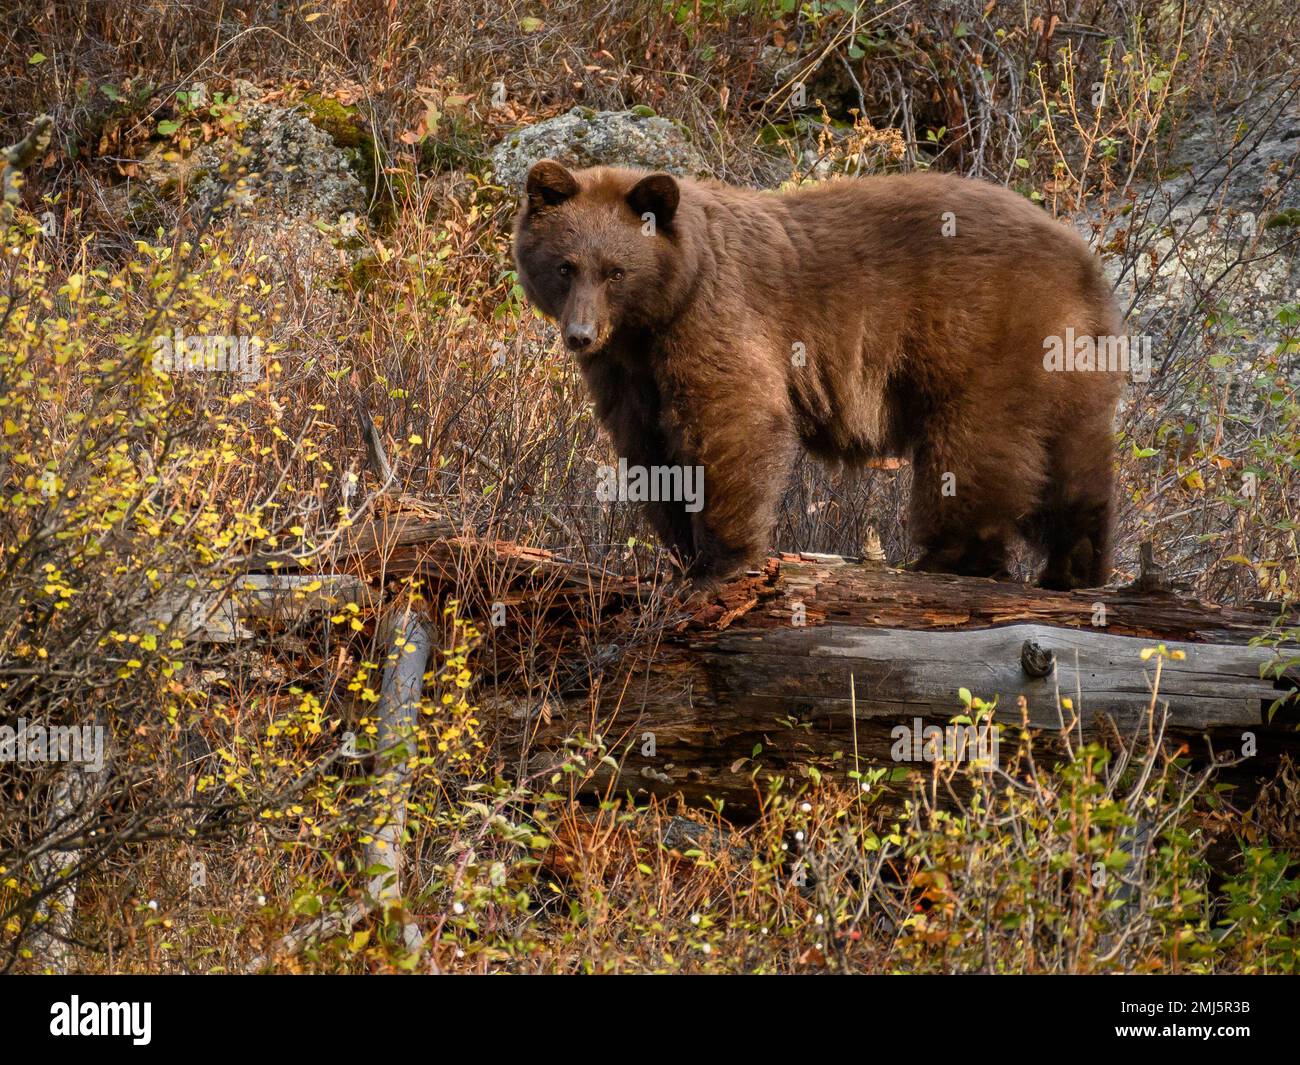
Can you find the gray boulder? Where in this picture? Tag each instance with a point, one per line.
(584, 137)
(1214, 238)
(295, 170)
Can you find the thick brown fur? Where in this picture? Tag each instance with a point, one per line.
(848, 319)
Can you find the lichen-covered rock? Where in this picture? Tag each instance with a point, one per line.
(289, 189)
(584, 137)
(293, 167)
(1250, 151)
(1213, 236)
(1203, 268)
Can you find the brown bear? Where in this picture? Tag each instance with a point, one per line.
(918, 315)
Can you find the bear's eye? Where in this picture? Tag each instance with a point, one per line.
(566, 269)
(615, 275)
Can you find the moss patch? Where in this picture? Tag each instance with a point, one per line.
(348, 129)
(1288, 219)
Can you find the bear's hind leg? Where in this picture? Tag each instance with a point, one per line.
(1073, 521)
(983, 555)
(966, 502)
(1076, 536)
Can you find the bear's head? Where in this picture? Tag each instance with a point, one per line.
(600, 251)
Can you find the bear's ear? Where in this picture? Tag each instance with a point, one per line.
(549, 184)
(658, 195)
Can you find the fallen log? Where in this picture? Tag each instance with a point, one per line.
(818, 661)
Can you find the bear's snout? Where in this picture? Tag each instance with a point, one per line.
(579, 336)
(585, 320)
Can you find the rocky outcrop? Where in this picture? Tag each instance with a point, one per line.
(1217, 238)
(584, 137)
(294, 168)
(280, 180)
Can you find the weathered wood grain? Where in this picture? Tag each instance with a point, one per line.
(815, 659)
(818, 657)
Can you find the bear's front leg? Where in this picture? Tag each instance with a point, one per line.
(746, 455)
(628, 405)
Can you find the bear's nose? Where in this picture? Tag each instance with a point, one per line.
(578, 337)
